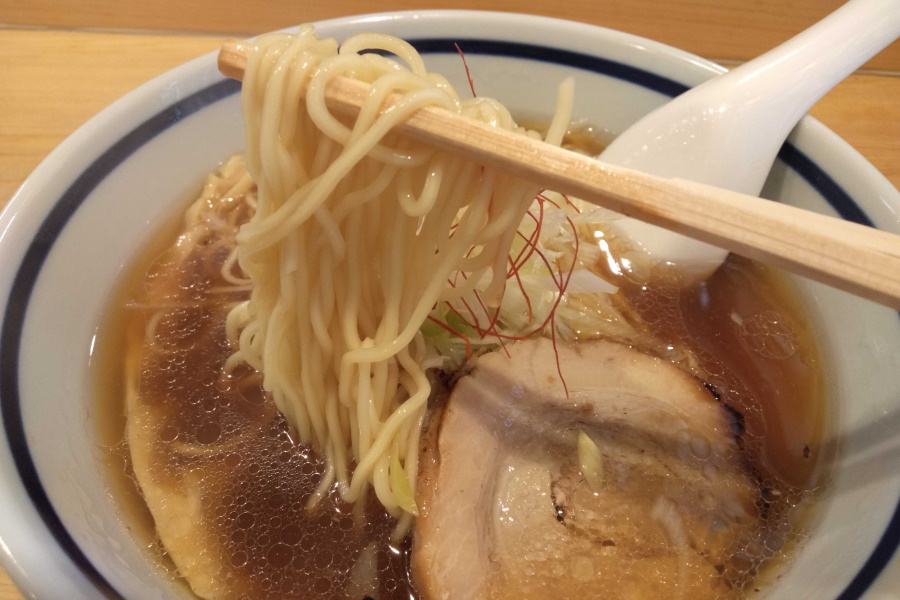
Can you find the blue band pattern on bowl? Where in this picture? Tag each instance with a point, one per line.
(69, 202)
(23, 285)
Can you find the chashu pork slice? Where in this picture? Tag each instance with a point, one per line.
(632, 486)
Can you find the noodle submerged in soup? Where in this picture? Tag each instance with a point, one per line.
(249, 504)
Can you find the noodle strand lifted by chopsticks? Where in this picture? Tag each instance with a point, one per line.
(354, 240)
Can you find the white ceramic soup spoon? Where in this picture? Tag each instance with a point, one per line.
(727, 131)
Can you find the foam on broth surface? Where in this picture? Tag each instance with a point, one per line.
(222, 440)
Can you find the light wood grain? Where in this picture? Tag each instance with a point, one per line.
(865, 111)
(56, 80)
(8, 590)
(724, 29)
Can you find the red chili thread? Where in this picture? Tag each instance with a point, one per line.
(561, 279)
(572, 204)
(466, 65)
(531, 241)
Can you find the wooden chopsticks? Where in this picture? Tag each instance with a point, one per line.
(851, 257)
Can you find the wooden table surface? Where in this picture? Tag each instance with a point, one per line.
(59, 68)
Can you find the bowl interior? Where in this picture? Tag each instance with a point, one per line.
(73, 227)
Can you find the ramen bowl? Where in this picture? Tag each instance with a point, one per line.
(71, 231)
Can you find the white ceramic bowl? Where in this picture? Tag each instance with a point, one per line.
(71, 229)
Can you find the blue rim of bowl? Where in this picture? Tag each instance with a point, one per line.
(72, 198)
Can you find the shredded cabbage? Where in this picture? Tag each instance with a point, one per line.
(590, 461)
(585, 310)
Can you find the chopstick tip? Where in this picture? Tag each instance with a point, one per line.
(233, 58)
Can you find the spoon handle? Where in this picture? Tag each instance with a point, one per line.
(727, 131)
(777, 88)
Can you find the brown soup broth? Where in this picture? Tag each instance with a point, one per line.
(756, 351)
(745, 326)
(226, 434)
